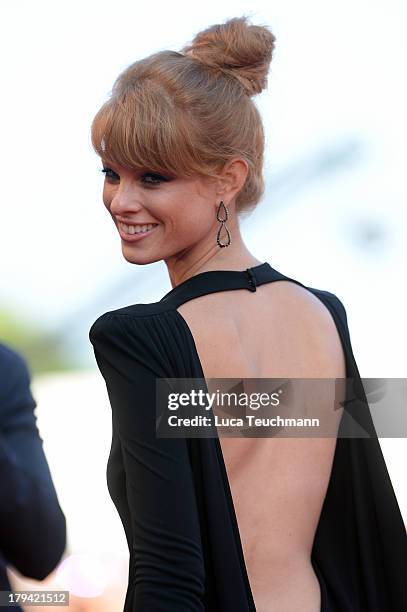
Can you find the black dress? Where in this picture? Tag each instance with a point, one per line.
(173, 495)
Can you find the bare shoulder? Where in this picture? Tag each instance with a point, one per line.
(304, 325)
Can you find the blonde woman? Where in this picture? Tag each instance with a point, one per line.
(232, 525)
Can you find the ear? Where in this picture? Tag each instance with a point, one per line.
(232, 178)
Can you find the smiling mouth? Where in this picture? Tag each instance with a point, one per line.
(131, 230)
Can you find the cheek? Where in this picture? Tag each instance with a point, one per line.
(187, 208)
(194, 220)
(107, 196)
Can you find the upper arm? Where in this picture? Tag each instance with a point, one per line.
(166, 543)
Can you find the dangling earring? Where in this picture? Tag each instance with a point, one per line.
(222, 224)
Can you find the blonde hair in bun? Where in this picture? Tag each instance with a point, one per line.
(187, 113)
(237, 49)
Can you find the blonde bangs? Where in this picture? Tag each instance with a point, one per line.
(143, 129)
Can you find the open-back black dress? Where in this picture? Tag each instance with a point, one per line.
(173, 495)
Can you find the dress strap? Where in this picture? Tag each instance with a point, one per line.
(213, 281)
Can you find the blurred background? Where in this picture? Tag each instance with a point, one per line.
(333, 215)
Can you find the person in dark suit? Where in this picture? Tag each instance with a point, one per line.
(32, 523)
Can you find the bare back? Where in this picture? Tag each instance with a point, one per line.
(278, 485)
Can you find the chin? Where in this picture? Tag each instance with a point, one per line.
(140, 259)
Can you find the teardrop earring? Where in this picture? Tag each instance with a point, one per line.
(222, 224)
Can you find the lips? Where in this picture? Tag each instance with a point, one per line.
(134, 237)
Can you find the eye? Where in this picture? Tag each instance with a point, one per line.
(107, 172)
(157, 178)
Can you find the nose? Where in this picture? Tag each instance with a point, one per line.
(125, 200)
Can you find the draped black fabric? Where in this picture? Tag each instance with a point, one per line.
(173, 495)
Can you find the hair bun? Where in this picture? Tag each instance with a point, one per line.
(237, 48)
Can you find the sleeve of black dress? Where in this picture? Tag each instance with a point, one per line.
(167, 569)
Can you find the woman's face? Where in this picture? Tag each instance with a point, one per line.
(182, 211)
